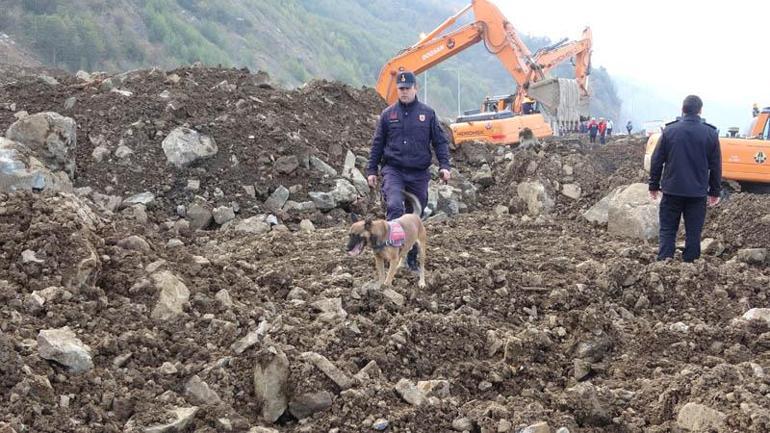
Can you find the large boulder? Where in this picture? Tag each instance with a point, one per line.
(50, 136)
(20, 170)
(323, 200)
(632, 214)
(183, 146)
(536, 197)
(598, 213)
(271, 377)
(344, 192)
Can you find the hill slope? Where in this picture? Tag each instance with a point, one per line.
(294, 40)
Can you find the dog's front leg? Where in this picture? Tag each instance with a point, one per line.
(392, 268)
(379, 264)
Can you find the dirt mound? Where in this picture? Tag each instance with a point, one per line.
(252, 123)
(47, 242)
(574, 173)
(742, 220)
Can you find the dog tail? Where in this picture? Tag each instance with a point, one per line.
(416, 206)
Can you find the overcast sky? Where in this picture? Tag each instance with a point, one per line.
(674, 48)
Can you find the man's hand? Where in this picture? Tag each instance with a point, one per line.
(654, 195)
(713, 201)
(372, 181)
(445, 174)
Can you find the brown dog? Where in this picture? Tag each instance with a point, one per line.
(380, 234)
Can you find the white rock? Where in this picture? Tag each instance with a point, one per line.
(331, 309)
(598, 213)
(254, 225)
(306, 225)
(28, 256)
(322, 167)
(632, 214)
(51, 136)
(572, 190)
(712, 247)
(173, 295)
(697, 417)
(329, 369)
(183, 146)
(271, 376)
(758, 314)
(199, 392)
(223, 296)
(250, 339)
(62, 346)
(753, 256)
(537, 198)
(183, 415)
(409, 392)
(223, 214)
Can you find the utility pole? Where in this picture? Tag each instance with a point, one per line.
(458, 90)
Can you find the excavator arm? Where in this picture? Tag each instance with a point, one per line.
(424, 55)
(491, 27)
(579, 50)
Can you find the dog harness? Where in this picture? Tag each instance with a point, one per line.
(395, 238)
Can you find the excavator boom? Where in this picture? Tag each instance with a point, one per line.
(501, 39)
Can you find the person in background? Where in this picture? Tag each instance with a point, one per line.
(528, 105)
(610, 125)
(629, 127)
(602, 130)
(593, 129)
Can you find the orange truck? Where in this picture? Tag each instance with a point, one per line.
(501, 119)
(743, 159)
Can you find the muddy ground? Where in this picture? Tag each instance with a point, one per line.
(527, 320)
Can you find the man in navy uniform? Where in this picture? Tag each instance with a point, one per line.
(687, 167)
(401, 146)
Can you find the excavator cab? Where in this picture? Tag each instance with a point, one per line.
(494, 104)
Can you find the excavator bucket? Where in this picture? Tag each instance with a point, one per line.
(560, 97)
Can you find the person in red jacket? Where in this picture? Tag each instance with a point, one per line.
(602, 129)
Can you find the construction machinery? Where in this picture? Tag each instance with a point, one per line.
(501, 118)
(743, 159)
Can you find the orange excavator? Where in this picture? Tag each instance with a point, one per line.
(502, 118)
(743, 159)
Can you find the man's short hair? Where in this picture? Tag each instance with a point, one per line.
(692, 105)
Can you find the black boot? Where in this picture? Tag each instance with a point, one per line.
(411, 259)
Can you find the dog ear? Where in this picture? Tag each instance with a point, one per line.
(354, 217)
(368, 223)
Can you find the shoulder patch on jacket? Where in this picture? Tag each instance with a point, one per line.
(672, 122)
(710, 125)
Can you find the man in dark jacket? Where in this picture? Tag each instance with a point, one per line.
(401, 146)
(687, 167)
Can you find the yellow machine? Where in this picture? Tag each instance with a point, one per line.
(501, 119)
(743, 159)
